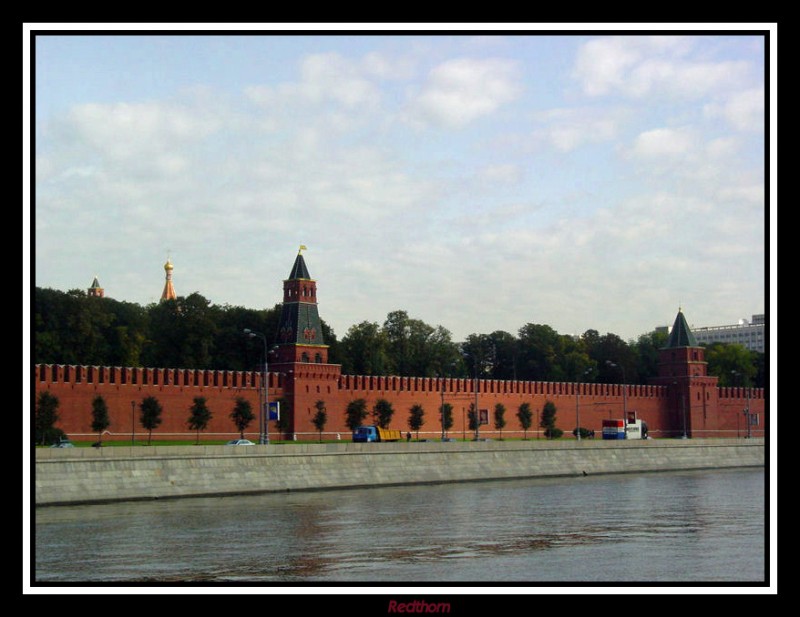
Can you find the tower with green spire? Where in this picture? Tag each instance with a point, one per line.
(95, 290)
(682, 355)
(682, 368)
(299, 335)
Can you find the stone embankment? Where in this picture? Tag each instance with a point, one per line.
(97, 475)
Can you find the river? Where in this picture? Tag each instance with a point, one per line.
(664, 528)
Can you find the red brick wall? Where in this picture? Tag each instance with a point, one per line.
(710, 412)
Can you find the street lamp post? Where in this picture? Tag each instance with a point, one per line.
(624, 388)
(263, 426)
(442, 410)
(683, 411)
(477, 414)
(747, 420)
(578, 405)
(748, 416)
(133, 423)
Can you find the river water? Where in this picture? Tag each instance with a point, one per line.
(665, 528)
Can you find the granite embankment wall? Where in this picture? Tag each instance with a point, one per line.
(96, 475)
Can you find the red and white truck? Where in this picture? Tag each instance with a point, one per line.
(627, 428)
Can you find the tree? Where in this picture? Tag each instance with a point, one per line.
(446, 417)
(100, 419)
(355, 413)
(242, 415)
(46, 416)
(499, 418)
(548, 422)
(733, 363)
(150, 415)
(382, 413)
(284, 423)
(539, 347)
(199, 415)
(320, 418)
(478, 352)
(416, 418)
(525, 416)
(363, 350)
(472, 417)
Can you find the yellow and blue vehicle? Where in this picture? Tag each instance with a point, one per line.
(376, 433)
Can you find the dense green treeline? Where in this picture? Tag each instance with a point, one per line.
(190, 332)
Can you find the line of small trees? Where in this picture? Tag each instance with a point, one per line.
(200, 415)
(382, 412)
(150, 410)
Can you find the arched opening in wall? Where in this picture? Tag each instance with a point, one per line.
(112, 375)
(53, 374)
(134, 376)
(304, 357)
(318, 358)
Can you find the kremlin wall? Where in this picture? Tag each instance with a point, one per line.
(682, 400)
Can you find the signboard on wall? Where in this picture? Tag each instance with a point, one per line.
(274, 410)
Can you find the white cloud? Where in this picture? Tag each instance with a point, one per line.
(568, 129)
(638, 66)
(327, 78)
(664, 143)
(602, 64)
(743, 110)
(462, 90)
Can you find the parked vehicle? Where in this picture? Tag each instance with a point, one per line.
(63, 443)
(376, 433)
(630, 428)
(240, 442)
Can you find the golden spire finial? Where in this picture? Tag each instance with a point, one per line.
(302, 248)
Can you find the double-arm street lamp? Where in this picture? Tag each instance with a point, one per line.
(263, 420)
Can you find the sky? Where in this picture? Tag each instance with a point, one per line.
(480, 180)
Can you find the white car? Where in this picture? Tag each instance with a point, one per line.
(63, 443)
(240, 442)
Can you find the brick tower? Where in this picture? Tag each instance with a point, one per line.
(95, 290)
(301, 356)
(683, 369)
(299, 330)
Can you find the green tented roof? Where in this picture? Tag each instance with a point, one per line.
(681, 336)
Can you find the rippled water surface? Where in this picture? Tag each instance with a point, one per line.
(698, 527)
